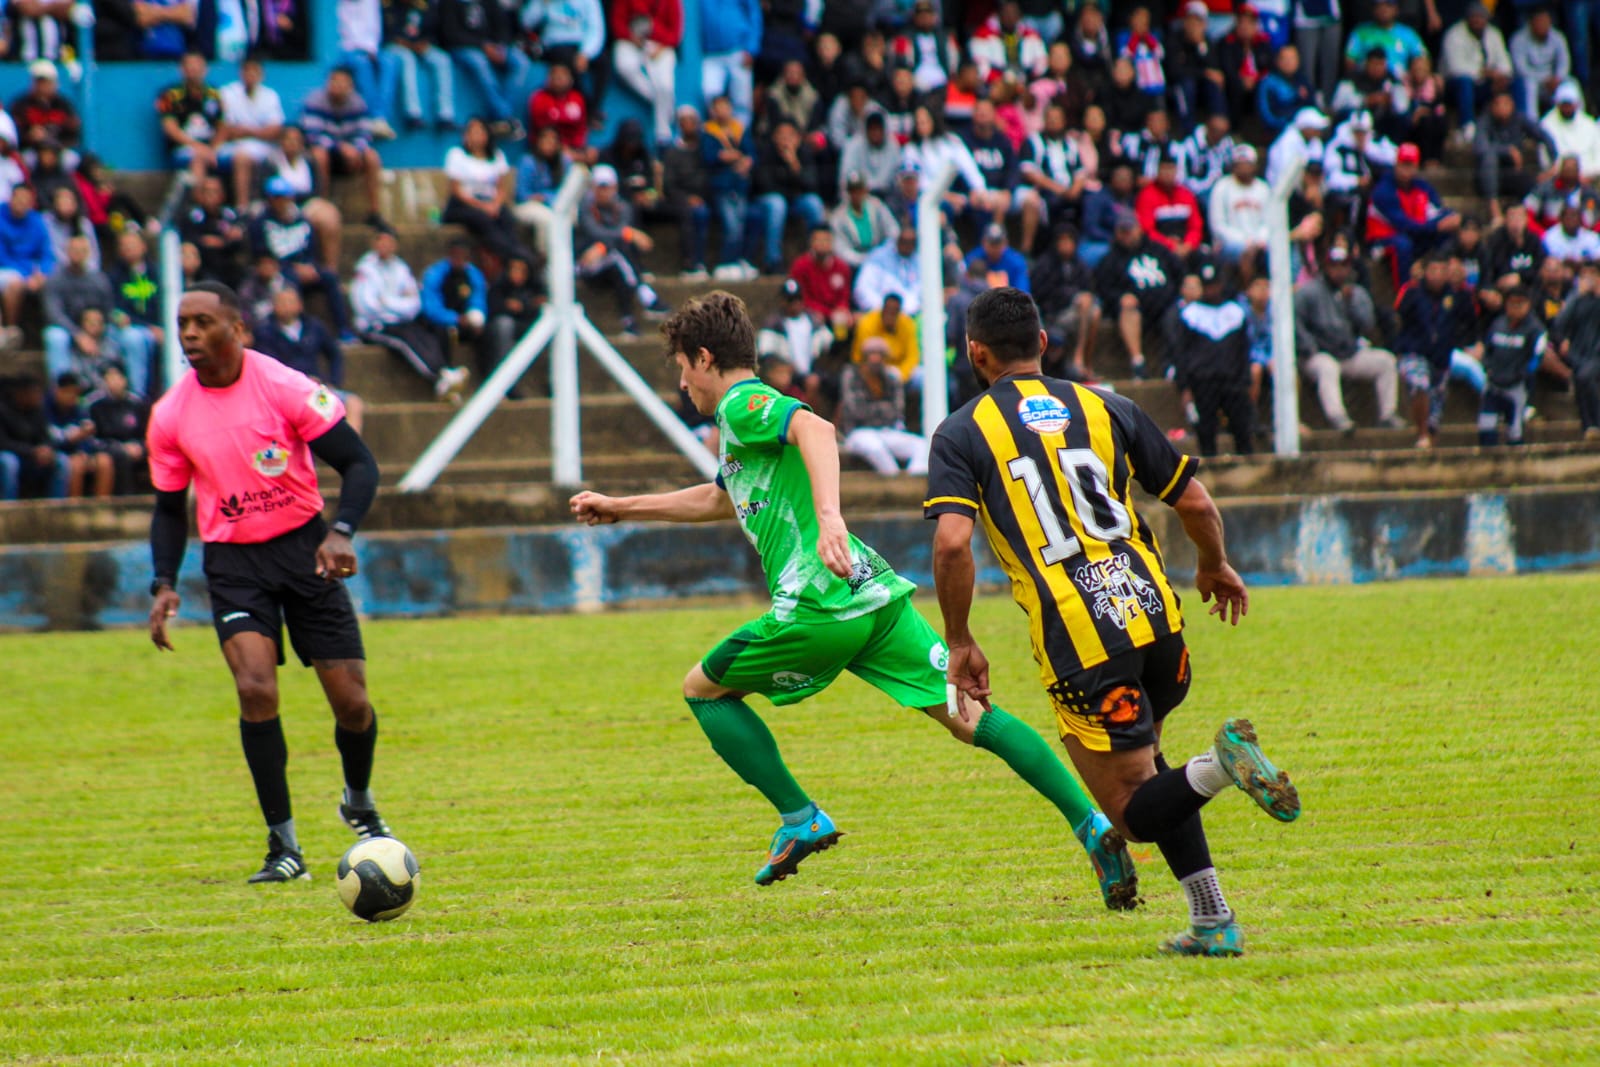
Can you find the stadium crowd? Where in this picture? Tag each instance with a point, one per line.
(1117, 165)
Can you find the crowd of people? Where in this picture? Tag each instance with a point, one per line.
(1118, 165)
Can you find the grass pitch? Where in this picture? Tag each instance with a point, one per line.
(587, 862)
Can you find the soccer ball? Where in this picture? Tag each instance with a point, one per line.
(378, 879)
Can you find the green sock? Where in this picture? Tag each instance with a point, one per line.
(1029, 755)
(743, 741)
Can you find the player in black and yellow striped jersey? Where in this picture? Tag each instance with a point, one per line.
(1048, 466)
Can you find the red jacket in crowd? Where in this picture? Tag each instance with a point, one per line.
(824, 288)
(1169, 216)
(568, 113)
(666, 20)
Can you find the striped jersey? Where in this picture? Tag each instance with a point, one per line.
(1047, 465)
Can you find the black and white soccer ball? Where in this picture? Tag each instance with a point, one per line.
(378, 879)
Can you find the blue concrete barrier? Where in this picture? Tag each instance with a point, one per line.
(407, 575)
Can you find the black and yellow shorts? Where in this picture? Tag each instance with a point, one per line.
(1115, 706)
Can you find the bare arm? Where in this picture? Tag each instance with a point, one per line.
(819, 447)
(1213, 575)
(967, 675)
(698, 503)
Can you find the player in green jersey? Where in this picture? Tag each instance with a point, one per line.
(836, 604)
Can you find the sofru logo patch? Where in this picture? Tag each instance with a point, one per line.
(1043, 414)
(271, 461)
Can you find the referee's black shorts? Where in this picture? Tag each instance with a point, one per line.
(257, 588)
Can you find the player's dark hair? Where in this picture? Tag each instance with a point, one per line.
(1006, 322)
(717, 322)
(225, 296)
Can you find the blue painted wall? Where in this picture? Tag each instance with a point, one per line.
(118, 99)
(1312, 541)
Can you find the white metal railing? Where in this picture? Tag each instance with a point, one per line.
(930, 268)
(561, 325)
(1280, 263)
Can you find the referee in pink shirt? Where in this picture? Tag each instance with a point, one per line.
(243, 428)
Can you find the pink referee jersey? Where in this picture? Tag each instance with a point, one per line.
(244, 448)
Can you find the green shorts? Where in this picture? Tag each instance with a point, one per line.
(893, 649)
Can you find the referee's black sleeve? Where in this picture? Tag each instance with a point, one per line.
(169, 533)
(343, 449)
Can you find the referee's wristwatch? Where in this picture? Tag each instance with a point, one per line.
(343, 529)
(158, 584)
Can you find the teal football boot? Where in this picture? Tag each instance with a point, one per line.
(791, 844)
(1215, 941)
(1251, 771)
(1108, 851)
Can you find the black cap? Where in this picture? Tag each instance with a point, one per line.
(791, 290)
(1209, 273)
(1518, 291)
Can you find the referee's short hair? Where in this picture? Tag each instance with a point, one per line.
(225, 296)
(1006, 322)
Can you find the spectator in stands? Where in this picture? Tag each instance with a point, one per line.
(136, 318)
(1091, 47)
(860, 223)
(1064, 289)
(480, 190)
(412, 30)
(997, 162)
(684, 188)
(1475, 64)
(892, 269)
(1061, 84)
(1351, 162)
(1138, 278)
(1429, 118)
(572, 32)
(792, 97)
(66, 220)
(847, 117)
(1512, 346)
(1239, 215)
(252, 114)
(925, 49)
(730, 37)
(824, 282)
(214, 228)
(931, 148)
(1319, 36)
(1244, 55)
(120, 417)
(900, 105)
(1335, 321)
(1169, 213)
(1206, 156)
(1575, 335)
(361, 51)
(1406, 214)
(647, 34)
(480, 37)
(1145, 147)
(898, 331)
(72, 433)
(798, 337)
(455, 305)
(1570, 240)
(560, 105)
(1053, 166)
(728, 152)
(1573, 131)
(1546, 200)
(1100, 209)
(26, 260)
(292, 165)
(1002, 264)
(191, 117)
(785, 182)
(872, 154)
(869, 65)
(1256, 300)
(388, 305)
(638, 175)
(29, 464)
(609, 245)
(160, 29)
(1194, 78)
(872, 414)
(1211, 352)
(1139, 45)
(1007, 48)
(1399, 43)
(1467, 249)
(44, 113)
(49, 173)
(306, 345)
(260, 288)
(1302, 142)
(1540, 61)
(74, 287)
(515, 301)
(284, 230)
(1435, 321)
(1512, 251)
(539, 176)
(1378, 91)
(338, 129)
(1284, 91)
(1507, 147)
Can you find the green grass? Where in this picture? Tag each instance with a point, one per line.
(587, 862)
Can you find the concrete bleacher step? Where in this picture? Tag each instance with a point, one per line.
(607, 471)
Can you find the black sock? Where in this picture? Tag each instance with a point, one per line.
(1184, 847)
(268, 757)
(355, 750)
(1162, 804)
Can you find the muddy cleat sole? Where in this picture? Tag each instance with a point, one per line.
(1217, 942)
(1251, 771)
(1113, 866)
(791, 844)
(281, 865)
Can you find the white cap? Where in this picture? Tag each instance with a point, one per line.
(1568, 93)
(604, 174)
(42, 68)
(1361, 121)
(1244, 153)
(1309, 118)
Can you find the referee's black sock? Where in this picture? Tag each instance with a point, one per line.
(268, 758)
(355, 751)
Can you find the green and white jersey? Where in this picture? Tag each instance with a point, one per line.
(771, 491)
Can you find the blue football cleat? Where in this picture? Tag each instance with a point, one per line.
(1108, 851)
(791, 844)
(1251, 771)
